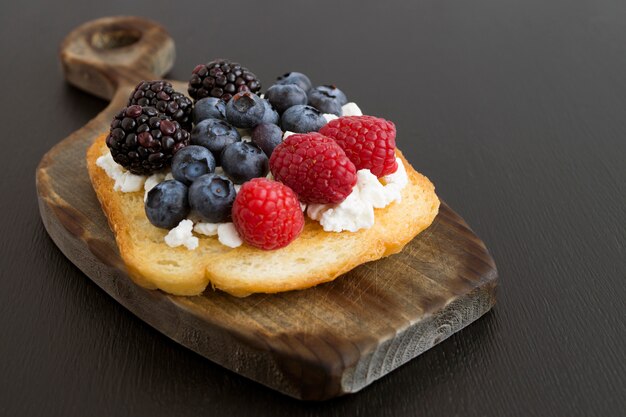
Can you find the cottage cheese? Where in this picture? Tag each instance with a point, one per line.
(207, 229)
(125, 181)
(182, 235)
(330, 117)
(226, 233)
(151, 182)
(351, 109)
(357, 210)
(352, 214)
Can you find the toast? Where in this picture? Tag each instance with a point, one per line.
(314, 257)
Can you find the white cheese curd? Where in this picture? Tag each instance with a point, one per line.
(237, 187)
(371, 190)
(246, 138)
(330, 116)
(125, 181)
(208, 229)
(357, 210)
(351, 214)
(129, 183)
(315, 211)
(112, 168)
(395, 182)
(151, 182)
(219, 171)
(287, 134)
(351, 109)
(228, 235)
(168, 176)
(182, 235)
(302, 206)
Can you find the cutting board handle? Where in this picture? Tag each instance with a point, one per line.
(105, 54)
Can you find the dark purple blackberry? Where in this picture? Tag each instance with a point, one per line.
(143, 140)
(221, 79)
(162, 96)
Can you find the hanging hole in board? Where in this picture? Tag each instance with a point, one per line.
(115, 38)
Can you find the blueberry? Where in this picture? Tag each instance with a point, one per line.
(245, 110)
(209, 108)
(167, 204)
(302, 119)
(191, 162)
(333, 92)
(296, 78)
(327, 99)
(243, 161)
(211, 197)
(215, 135)
(271, 115)
(267, 137)
(284, 96)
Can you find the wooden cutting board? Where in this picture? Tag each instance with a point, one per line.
(314, 344)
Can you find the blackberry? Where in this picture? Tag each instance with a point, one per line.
(143, 140)
(162, 96)
(221, 79)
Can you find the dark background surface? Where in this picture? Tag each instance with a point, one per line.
(516, 111)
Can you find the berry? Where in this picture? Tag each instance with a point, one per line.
(143, 140)
(267, 137)
(267, 214)
(215, 135)
(302, 119)
(222, 79)
(209, 108)
(315, 167)
(284, 96)
(296, 78)
(330, 91)
(271, 115)
(167, 204)
(162, 96)
(191, 162)
(369, 142)
(327, 99)
(245, 110)
(211, 196)
(243, 161)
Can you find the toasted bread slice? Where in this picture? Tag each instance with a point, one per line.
(314, 257)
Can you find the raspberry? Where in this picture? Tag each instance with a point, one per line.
(368, 141)
(315, 167)
(267, 214)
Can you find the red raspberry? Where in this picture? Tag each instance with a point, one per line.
(369, 142)
(315, 167)
(267, 214)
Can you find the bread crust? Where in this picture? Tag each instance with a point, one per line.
(313, 258)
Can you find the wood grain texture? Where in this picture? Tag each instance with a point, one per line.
(315, 344)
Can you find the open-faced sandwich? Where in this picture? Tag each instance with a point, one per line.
(253, 193)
